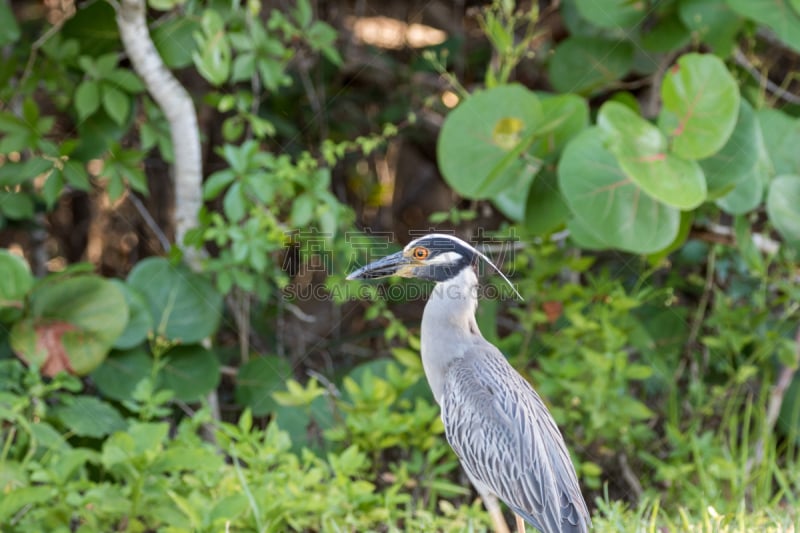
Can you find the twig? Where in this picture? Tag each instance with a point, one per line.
(763, 80)
(776, 396)
(629, 476)
(702, 305)
(326, 382)
(149, 221)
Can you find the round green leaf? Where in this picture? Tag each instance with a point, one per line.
(563, 117)
(641, 151)
(608, 204)
(746, 195)
(781, 133)
(778, 15)
(711, 22)
(736, 159)
(545, 210)
(185, 306)
(190, 372)
(783, 207)
(121, 372)
(584, 64)
(614, 14)
(140, 321)
(71, 324)
(700, 105)
(86, 416)
(582, 236)
(480, 148)
(511, 200)
(258, 379)
(15, 279)
(666, 35)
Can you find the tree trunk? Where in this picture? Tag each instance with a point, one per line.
(177, 106)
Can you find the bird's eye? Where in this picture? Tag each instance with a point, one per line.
(420, 253)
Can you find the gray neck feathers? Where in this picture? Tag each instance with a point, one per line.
(448, 326)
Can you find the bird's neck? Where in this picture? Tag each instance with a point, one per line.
(448, 325)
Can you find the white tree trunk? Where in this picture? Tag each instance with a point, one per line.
(177, 106)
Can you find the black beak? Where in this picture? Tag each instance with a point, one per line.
(395, 264)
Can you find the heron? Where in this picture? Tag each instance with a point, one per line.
(503, 434)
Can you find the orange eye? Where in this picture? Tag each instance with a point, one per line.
(420, 253)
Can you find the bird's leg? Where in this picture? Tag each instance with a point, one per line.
(520, 523)
(495, 512)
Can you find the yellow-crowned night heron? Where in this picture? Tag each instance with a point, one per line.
(507, 441)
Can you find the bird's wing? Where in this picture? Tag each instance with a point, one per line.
(507, 440)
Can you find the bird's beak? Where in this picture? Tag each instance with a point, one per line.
(396, 264)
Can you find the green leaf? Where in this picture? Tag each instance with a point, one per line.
(9, 29)
(12, 174)
(24, 497)
(258, 379)
(481, 143)
(711, 22)
(175, 42)
(746, 195)
(86, 416)
(15, 279)
(121, 372)
(127, 81)
(184, 305)
(582, 236)
(666, 35)
(216, 183)
(563, 117)
(781, 133)
(76, 175)
(545, 209)
(641, 151)
(87, 98)
(190, 372)
(302, 14)
(511, 200)
(778, 15)
(213, 60)
(747, 248)
(140, 321)
(116, 103)
(71, 324)
(608, 204)
(700, 105)
(584, 64)
(302, 210)
(53, 187)
(783, 207)
(613, 14)
(16, 205)
(234, 203)
(735, 161)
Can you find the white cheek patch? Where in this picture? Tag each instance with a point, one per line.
(445, 258)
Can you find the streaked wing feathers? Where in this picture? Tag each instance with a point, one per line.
(508, 441)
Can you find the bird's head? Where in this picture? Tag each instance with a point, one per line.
(436, 257)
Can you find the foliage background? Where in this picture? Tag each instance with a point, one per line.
(632, 165)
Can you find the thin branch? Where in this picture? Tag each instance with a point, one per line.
(629, 476)
(149, 221)
(763, 80)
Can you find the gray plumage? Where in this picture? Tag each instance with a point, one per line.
(501, 431)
